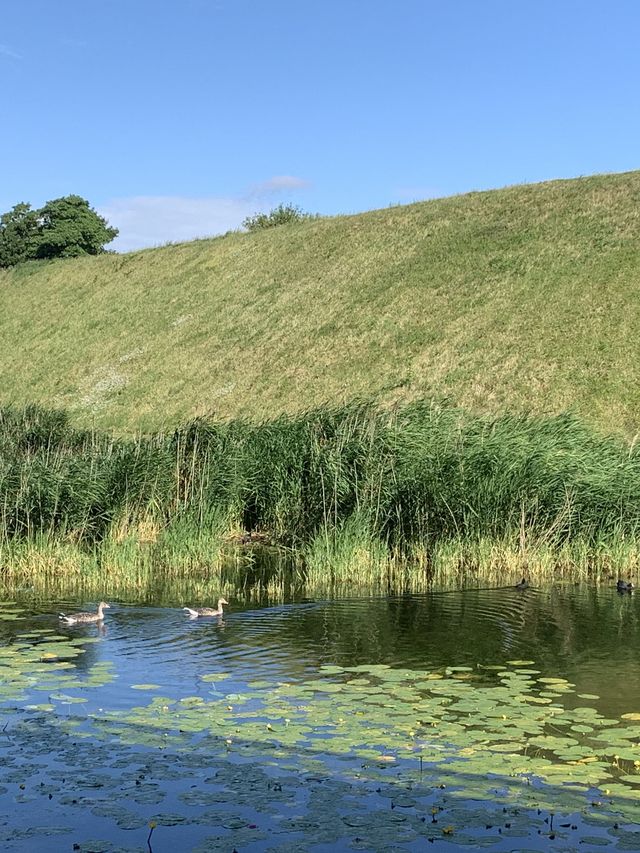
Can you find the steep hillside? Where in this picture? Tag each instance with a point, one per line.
(526, 298)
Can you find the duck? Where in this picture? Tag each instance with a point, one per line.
(194, 612)
(83, 618)
(523, 584)
(624, 586)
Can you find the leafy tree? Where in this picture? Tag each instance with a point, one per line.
(64, 228)
(283, 214)
(18, 235)
(69, 227)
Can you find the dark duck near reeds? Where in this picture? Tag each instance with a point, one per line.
(624, 586)
(523, 584)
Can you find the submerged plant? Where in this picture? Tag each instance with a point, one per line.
(152, 826)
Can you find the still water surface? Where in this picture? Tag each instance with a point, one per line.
(483, 718)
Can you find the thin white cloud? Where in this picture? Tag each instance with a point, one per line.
(153, 220)
(278, 184)
(5, 50)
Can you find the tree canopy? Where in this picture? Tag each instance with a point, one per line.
(64, 228)
(18, 231)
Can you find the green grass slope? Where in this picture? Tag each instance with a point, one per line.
(524, 298)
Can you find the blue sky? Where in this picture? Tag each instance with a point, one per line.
(177, 119)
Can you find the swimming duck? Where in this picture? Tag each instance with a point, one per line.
(523, 584)
(624, 586)
(75, 618)
(206, 611)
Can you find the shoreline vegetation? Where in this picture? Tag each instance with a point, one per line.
(337, 500)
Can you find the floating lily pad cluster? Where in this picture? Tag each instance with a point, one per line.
(507, 719)
(458, 747)
(204, 795)
(363, 757)
(42, 660)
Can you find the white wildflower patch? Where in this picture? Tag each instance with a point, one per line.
(100, 387)
(223, 390)
(134, 353)
(183, 318)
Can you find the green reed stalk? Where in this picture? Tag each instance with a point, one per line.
(359, 495)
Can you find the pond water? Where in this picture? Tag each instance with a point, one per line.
(489, 718)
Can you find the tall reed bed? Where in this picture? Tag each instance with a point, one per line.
(357, 495)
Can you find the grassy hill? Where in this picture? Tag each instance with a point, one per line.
(524, 299)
